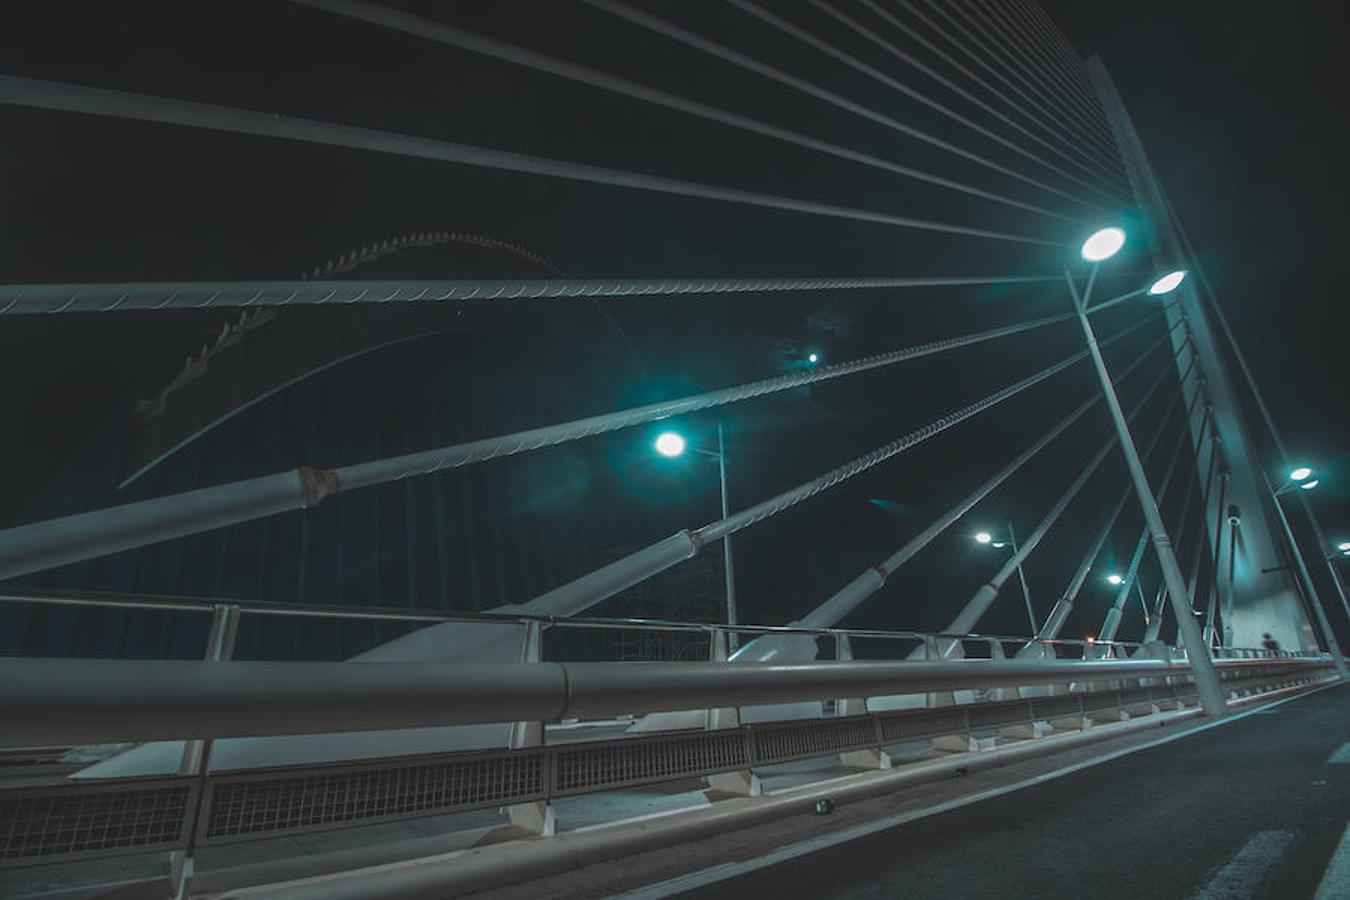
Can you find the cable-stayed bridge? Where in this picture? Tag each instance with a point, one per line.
(366, 584)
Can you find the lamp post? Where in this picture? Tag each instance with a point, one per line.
(1301, 478)
(987, 539)
(1101, 246)
(673, 444)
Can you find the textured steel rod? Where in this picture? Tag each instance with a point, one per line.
(985, 595)
(581, 593)
(17, 299)
(42, 545)
(1054, 623)
(1114, 615)
(851, 595)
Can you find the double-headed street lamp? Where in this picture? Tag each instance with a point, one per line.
(1302, 478)
(988, 540)
(1101, 246)
(672, 444)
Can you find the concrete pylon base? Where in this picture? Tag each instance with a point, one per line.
(870, 758)
(536, 818)
(963, 743)
(741, 783)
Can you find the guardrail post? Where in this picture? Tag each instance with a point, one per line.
(743, 782)
(870, 757)
(999, 694)
(931, 653)
(196, 757)
(536, 816)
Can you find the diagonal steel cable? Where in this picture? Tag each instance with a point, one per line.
(163, 110)
(1086, 130)
(448, 35)
(688, 38)
(893, 50)
(1056, 124)
(1016, 58)
(775, 505)
(53, 542)
(875, 74)
(847, 598)
(581, 593)
(1081, 159)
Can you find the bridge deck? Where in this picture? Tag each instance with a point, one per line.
(1257, 801)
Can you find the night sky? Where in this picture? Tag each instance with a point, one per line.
(1240, 111)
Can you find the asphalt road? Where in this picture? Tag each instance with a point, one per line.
(1253, 809)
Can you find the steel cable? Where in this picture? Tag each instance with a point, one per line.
(853, 62)
(450, 36)
(688, 38)
(125, 105)
(16, 299)
(946, 82)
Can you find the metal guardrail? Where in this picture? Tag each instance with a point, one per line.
(138, 815)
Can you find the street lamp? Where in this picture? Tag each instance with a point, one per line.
(1114, 580)
(1099, 247)
(813, 358)
(1302, 478)
(1103, 244)
(1343, 546)
(672, 444)
(1168, 283)
(984, 537)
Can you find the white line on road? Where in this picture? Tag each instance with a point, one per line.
(1336, 879)
(1341, 755)
(1239, 878)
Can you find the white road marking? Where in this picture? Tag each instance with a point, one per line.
(1336, 879)
(724, 871)
(1341, 755)
(1239, 878)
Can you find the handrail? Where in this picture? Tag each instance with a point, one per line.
(378, 613)
(51, 701)
(310, 610)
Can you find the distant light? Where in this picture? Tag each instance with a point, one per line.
(1090, 638)
(1309, 485)
(1168, 283)
(1114, 579)
(1103, 244)
(670, 444)
(998, 545)
(813, 357)
(1300, 473)
(1344, 546)
(984, 537)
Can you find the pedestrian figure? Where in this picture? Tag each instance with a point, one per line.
(1270, 643)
